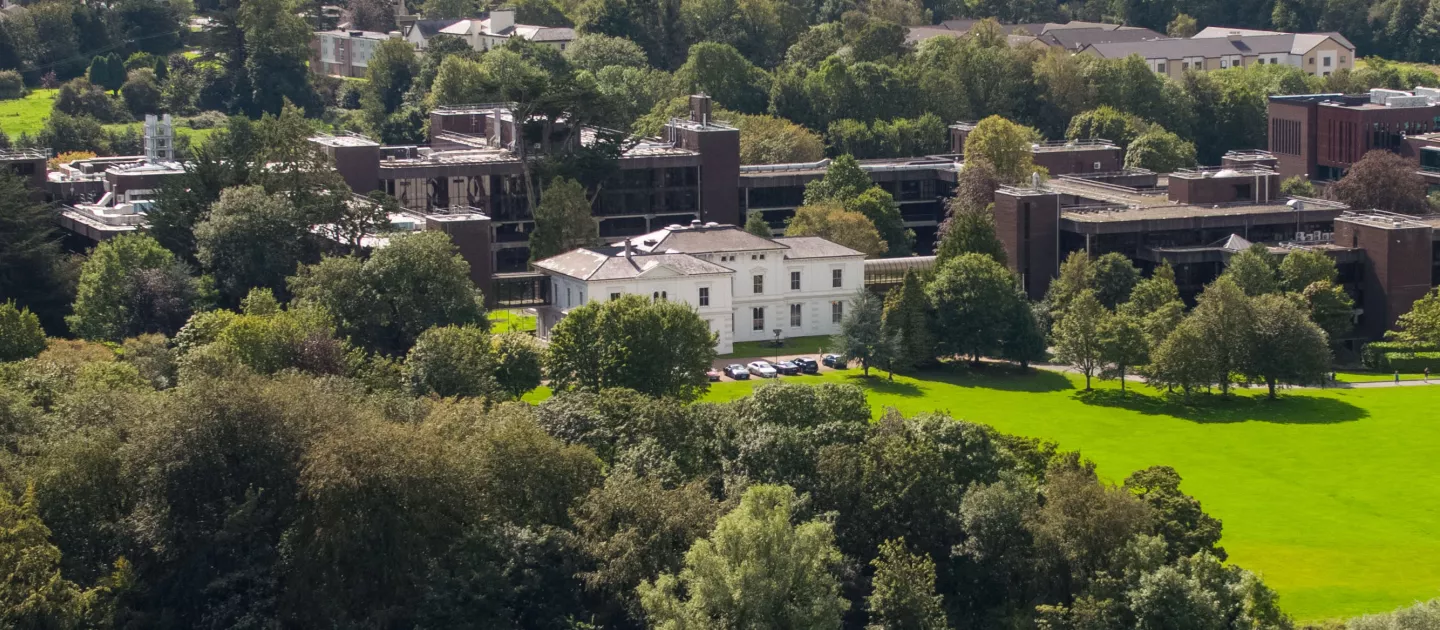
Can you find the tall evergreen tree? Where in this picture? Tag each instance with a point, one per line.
(33, 271)
(906, 317)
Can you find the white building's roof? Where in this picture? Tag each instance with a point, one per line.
(709, 238)
(814, 247)
(611, 263)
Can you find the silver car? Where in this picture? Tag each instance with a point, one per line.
(762, 369)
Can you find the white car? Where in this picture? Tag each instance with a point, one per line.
(762, 369)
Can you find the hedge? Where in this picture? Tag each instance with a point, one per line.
(1412, 363)
(1376, 354)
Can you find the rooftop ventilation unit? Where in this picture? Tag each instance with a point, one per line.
(1407, 101)
(1378, 95)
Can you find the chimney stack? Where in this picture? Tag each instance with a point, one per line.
(700, 108)
(627, 248)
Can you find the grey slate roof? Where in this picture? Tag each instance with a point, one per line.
(814, 247)
(610, 263)
(1284, 43)
(702, 240)
(1077, 38)
(429, 28)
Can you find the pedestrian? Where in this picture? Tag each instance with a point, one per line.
(1397, 377)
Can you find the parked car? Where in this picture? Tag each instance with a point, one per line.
(762, 369)
(737, 372)
(807, 365)
(712, 374)
(787, 368)
(833, 361)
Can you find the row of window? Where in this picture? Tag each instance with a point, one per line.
(757, 315)
(837, 280)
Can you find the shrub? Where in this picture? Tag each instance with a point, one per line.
(11, 85)
(1413, 362)
(207, 120)
(20, 333)
(452, 361)
(1376, 354)
(80, 97)
(141, 92)
(68, 157)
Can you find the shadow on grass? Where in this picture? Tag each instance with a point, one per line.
(997, 376)
(1213, 408)
(877, 383)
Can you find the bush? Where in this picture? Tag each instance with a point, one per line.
(452, 361)
(20, 333)
(141, 92)
(207, 120)
(80, 97)
(12, 85)
(1412, 362)
(73, 133)
(1376, 354)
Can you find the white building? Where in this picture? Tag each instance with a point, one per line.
(489, 32)
(744, 286)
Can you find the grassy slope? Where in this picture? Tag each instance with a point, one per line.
(1333, 496)
(28, 115)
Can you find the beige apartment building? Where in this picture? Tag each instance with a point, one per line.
(1216, 48)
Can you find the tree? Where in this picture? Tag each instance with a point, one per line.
(831, 221)
(1285, 346)
(452, 361)
(250, 239)
(1331, 309)
(878, 206)
(1186, 528)
(720, 71)
(1078, 335)
(141, 92)
(756, 224)
(1077, 274)
(389, 73)
(518, 363)
(383, 303)
(20, 334)
(844, 180)
(1224, 315)
(658, 348)
(863, 336)
(1106, 122)
(969, 229)
(1422, 323)
(756, 570)
(1115, 278)
(35, 594)
(1183, 26)
(595, 52)
(635, 527)
(103, 73)
(905, 317)
(1297, 186)
(1155, 301)
(33, 271)
(438, 9)
(562, 220)
(1184, 359)
(768, 139)
(1123, 345)
(904, 597)
(1160, 151)
(1382, 180)
(1005, 145)
(1254, 271)
(277, 46)
(1303, 267)
(129, 286)
(974, 299)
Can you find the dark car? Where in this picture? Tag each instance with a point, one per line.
(807, 365)
(787, 368)
(737, 372)
(833, 361)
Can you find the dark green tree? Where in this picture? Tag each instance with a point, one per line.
(452, 361)
(904, 596)
(251, 238)
(863, 336)
(33, 270)
(1254, 271)
(1115, 278)
(519, 362)
(906, 317)
(562, 220)
(755, 224)
(20, 334)
(659, 348)
(975, 300)
(1285, 347)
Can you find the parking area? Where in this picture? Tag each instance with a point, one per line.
(778, 367)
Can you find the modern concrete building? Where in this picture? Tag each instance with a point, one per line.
(747, 288)
(1318, 54)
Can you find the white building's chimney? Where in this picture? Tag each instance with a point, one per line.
(627, 248)
(501, 20)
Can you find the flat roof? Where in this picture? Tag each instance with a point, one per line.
(1179, 211)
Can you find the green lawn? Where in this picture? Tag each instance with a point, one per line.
(26, 115)
(1333, 496)
(1375, 377)
(508, 320)
(762, 349)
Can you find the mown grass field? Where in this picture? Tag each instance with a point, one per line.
(1333, 496)
(508, 320)
(28, 115)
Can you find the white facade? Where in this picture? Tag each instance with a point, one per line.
(746, 287)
